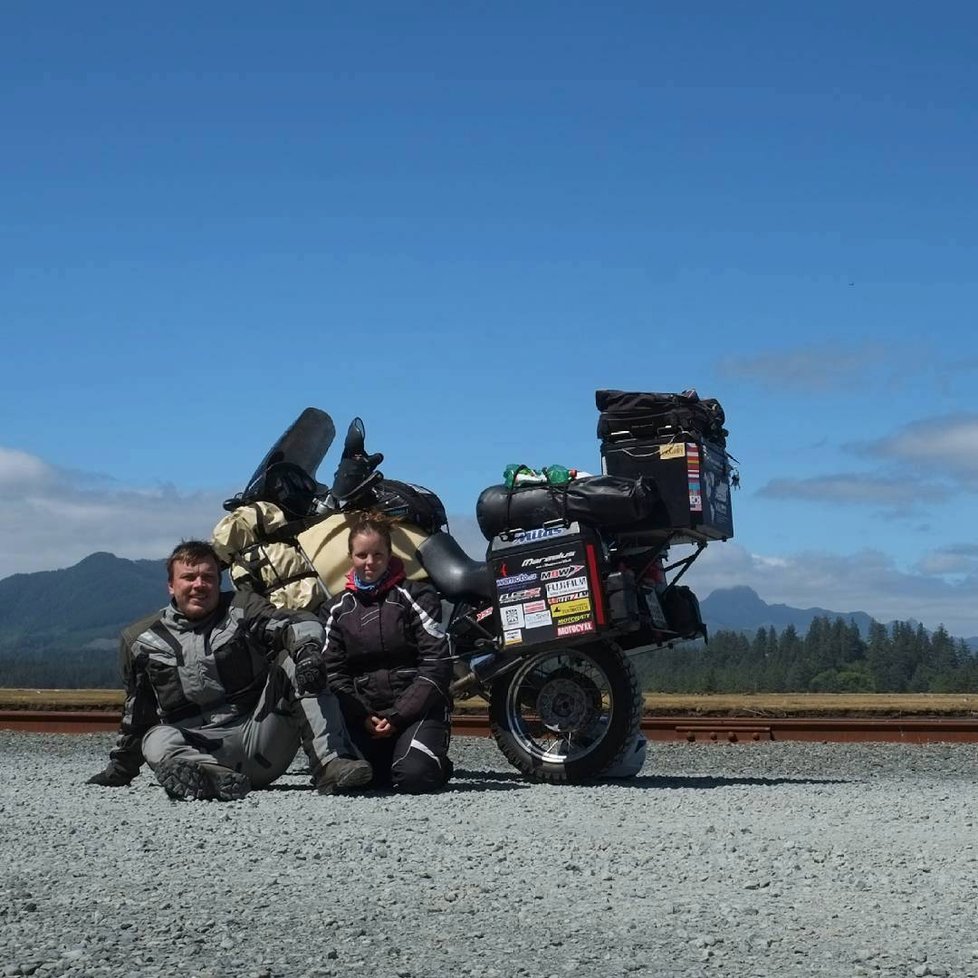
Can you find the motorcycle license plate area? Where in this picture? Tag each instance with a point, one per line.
(547, 585)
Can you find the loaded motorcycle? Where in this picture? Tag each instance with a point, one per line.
(575, 580)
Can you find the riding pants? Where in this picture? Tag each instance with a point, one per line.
(263, 744)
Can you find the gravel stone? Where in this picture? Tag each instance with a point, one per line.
(761, 859)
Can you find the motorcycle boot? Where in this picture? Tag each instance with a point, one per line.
(188, 781)
(343, 774)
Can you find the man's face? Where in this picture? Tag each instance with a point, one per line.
(195, 588)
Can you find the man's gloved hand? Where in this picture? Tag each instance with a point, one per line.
(310, 670)
(111, 777)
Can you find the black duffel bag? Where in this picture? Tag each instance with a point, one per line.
(633, 414)
(606, 501)
(411, 503)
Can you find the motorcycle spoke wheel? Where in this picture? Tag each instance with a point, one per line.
(566, 716)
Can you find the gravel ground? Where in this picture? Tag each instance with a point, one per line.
(770, 859)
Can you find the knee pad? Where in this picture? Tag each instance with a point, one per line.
(160, 741)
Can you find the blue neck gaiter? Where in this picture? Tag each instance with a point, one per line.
(363, 585)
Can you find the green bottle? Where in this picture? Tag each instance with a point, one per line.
(558, 475)
(522, 475)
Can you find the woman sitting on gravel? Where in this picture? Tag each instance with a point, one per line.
(387, 662)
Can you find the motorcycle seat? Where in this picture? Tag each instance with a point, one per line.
(452, 571)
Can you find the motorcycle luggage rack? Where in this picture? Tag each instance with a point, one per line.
(685, 563)
(487, 637)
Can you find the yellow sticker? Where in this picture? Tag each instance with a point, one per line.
(571, 619)
(570, 607)
(672, 451)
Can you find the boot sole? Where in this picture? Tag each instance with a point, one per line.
(231, 786)
(182, 780)
(187, 781)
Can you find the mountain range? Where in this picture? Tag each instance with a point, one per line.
(79, 605)
(85, 606)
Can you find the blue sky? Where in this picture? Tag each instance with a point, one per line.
(460, 220)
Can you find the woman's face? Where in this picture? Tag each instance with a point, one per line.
(371, 556)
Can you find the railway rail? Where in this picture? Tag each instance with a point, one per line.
(689, 728)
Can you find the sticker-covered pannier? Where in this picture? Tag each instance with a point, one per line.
(604, 501)
(633, 414)
(692, 481)
(548, 586)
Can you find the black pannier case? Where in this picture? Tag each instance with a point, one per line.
(548, 586)
(693, 482)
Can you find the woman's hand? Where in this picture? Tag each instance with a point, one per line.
(378, 727)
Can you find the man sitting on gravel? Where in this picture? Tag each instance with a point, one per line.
(211, 705)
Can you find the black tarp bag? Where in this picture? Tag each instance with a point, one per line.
(605, 501)
(634, 414)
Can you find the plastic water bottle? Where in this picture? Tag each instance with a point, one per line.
(559, 475)
(522, 475)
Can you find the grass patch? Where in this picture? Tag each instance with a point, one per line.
(61, 699)
(813, 704)
(656, 704)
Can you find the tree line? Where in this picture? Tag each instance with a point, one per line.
(831, 657)
(60, 669)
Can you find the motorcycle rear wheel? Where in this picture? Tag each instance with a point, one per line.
(565, 716)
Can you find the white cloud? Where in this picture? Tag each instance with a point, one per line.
(925, 462)
(947, 445)
(900, 492)
(945, 563)
(815, 368)
(838, 366)
(20, 469)
(956, 559)
(866, 581)
(51, 519)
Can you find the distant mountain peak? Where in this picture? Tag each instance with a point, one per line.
(99, 557)
(99, 594)
(738, 590)
(741, 609)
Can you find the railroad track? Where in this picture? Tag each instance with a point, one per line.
(678, 727)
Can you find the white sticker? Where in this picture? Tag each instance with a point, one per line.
(565, 587)
(537, 619)
(512, 616)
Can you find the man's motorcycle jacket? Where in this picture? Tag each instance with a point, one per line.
(182, 671)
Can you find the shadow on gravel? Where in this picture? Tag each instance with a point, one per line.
(461, 781)
(651, 781)
(468, 780)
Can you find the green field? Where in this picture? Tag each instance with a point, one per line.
(730, 704)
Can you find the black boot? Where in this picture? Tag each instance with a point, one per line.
(187, 780)
(343, 774)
